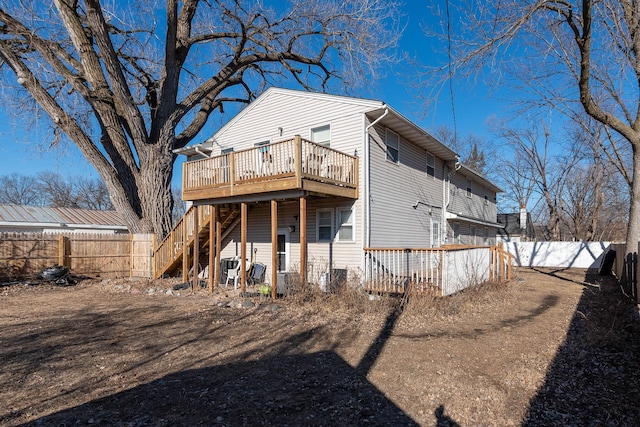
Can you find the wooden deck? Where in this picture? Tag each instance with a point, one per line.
(291, 165)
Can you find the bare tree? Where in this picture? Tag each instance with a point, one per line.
(91, 193)
(536, 169)
(52, 189)
(16, 189)
(472, 148)
(567, 54)
(128, 85)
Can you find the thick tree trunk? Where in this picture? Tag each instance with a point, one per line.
(154, 187)
(144, 198)
(633, 229)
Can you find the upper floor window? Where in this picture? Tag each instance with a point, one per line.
(431, 164)
(324, 225)
(392, 141)
(321, 135)
(345, 225)
(468, 187)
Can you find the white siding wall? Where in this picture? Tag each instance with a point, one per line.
(341, 254)
(395, 188)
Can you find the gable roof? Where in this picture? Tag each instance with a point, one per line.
(479, 177)
(375, 110)
(297, 93)
(17, 215)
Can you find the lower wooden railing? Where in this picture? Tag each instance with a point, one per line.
(434, 271)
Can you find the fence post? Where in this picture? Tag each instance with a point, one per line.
(63, 251)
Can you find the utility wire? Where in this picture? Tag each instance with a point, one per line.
(453, 106)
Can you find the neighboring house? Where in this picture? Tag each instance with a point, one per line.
(516, 227)
(38, 219)
(361, 174)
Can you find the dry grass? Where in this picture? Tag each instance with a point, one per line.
(549, 348)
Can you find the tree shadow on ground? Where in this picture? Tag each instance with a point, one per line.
(594, 378)
(285, 387)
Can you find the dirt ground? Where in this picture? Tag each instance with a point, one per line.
(548, 348)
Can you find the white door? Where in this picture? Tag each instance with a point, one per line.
(283, 249)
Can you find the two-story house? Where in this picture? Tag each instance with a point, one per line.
(310, 182)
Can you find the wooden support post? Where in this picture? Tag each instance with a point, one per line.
(303, 240)
(185, 251)
(243, 246)
(63, 251)
(218, 245)
(298, 160)
(196, 248)
(274, 249)
(213, 244)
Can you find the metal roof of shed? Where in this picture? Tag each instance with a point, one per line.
(58, 216)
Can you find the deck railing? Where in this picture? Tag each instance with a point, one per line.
(434, 271)
(291, 158)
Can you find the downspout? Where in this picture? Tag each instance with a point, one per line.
(367, 169)
(446, 196)
(199, 150)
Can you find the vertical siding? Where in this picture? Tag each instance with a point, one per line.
(395, 188)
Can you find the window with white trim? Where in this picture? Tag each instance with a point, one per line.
(431, 165)
(486, 236)
(321, 135)
(324, 225)
(345, 225)
(472, 235)
(468, 187)
(392, 141)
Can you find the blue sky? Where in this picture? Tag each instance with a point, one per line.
(21, 150)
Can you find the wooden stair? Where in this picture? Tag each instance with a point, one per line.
(168, 256)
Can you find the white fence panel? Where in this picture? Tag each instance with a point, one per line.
(558, 254)
(465, 268)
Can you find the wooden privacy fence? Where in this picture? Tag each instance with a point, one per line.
(625, 268)
(24, 255)
(434, 271)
